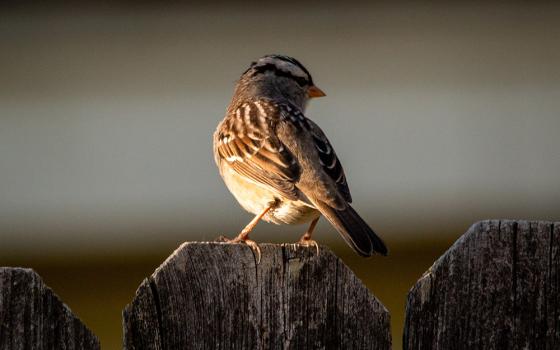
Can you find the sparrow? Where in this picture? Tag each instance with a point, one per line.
(278, 164)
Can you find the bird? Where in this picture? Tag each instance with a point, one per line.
(278, 164)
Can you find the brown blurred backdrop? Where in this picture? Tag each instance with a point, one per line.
(442, 114)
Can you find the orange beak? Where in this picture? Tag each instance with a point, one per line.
(314, 91)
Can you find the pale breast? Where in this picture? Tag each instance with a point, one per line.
(255, 198)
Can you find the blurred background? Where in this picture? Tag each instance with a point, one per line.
(442, 114)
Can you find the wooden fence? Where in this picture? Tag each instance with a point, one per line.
(497, 287)
(32, 316)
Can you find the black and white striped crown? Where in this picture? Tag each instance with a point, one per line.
(282, 66)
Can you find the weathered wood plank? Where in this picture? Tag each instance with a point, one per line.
(497, 287)
(32, 316)
(214, 296)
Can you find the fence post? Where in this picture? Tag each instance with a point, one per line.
(32, 316)
(497, 287)
(214, 296)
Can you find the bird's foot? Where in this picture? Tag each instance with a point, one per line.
(244, 238)
(308, 242)
(255, 248)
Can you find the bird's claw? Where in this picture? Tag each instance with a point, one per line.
(222, 239)
(244, 239)
(309, 243)
(255, 248)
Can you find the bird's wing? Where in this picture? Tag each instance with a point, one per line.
(303, 137)
(323, 181)
(329, 161)
(247, 141)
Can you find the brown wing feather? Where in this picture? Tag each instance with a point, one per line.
(251, 148)
(329, 161)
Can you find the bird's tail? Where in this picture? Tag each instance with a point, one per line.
(355, 231)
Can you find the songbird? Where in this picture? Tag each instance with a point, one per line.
(278, 164)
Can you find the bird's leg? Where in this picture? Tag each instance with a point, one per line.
(244, 235)
(306, 238)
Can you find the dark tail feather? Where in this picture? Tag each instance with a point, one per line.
(354, 230)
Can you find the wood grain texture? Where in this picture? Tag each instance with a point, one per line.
(497, 287)
(214, 296)
(32, 316)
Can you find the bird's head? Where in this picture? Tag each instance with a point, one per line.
(275, 76)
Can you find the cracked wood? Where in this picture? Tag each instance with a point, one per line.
(32, 316)
(214, 296)
(497, 287)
